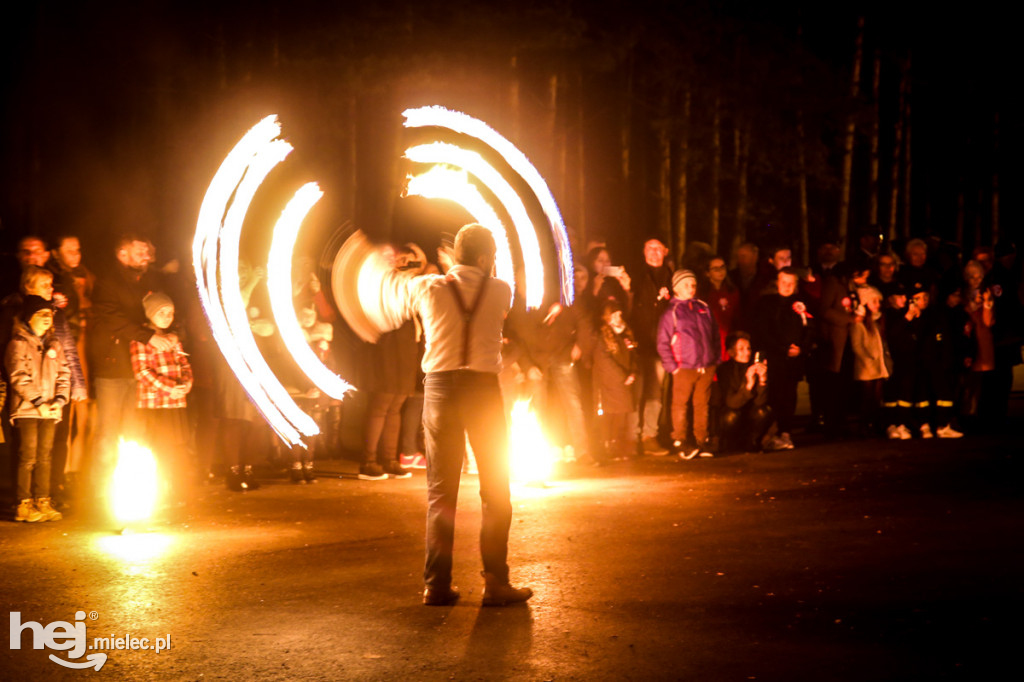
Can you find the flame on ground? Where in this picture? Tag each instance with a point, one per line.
(532, 457)
(134, 487)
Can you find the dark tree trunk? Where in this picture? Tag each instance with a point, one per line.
(851, 129)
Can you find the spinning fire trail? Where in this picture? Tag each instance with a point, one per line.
(535, 250)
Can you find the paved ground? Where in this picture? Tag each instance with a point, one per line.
(866, 560)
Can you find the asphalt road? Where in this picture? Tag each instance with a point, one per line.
(866, 560)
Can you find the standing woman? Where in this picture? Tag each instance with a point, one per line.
(237, 414)
(722, 297)
(390, 374)
(606, 282)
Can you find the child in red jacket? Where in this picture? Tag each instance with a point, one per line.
(164, 379)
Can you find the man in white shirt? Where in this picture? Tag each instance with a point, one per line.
(462, 313)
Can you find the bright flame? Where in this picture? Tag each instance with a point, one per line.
(279, 283)
(532, 456)
(473, 163)
(467, 125)
(453, 185)
(215, 259)
(133, 489)
(136, 548)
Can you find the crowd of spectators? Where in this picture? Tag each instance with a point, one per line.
(899, 343)
(695, 361)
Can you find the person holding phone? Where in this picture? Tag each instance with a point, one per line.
(606, 282)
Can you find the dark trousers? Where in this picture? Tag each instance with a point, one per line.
(650, 377)
(412, 423)
(115, 419)
(457, 404)
(565, 381)
(691, 386)
(383, 424)
(783, 378)
(36, 437)
(166, 435)
(59, 456)
(237, 440)
(745, 428)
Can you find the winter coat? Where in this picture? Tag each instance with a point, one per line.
(648, 307)
(730, 389)
(836, 317)
(779, 324)
(38, 371)
(391, 363)
(688, 336)
(725, 306)
(119, 319)
(614, 361)
(868, 351)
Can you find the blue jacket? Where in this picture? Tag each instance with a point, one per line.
(688, 336)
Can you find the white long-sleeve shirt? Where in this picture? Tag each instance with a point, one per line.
(430, 296)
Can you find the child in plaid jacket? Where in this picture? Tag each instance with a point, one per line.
(164, 379)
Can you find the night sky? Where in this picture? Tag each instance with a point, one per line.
(116, 116)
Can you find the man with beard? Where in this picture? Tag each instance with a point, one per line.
(119, 319)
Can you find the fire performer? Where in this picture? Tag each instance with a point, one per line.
(462, 314)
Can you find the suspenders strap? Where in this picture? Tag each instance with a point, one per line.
(467, 313)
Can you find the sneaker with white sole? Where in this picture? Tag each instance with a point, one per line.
(416, 461)
(893, 432)
(904, 432)
(372, 472)
(948, 431)
(786, 440)
(926, 431)
(396, 470)
(689, 453)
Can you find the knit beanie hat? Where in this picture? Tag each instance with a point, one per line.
(31, 304)
(679, 275)
(154, 301)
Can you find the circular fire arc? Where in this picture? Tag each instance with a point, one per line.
(218, 233)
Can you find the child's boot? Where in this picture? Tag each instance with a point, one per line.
(27, 512)
(45, 508)
(249, 481)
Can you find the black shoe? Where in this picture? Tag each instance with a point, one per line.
(233, 480)
(440, 596)
(307, 474)
(249, 481)
(371, 472)
(396, 470)
(295, 474)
